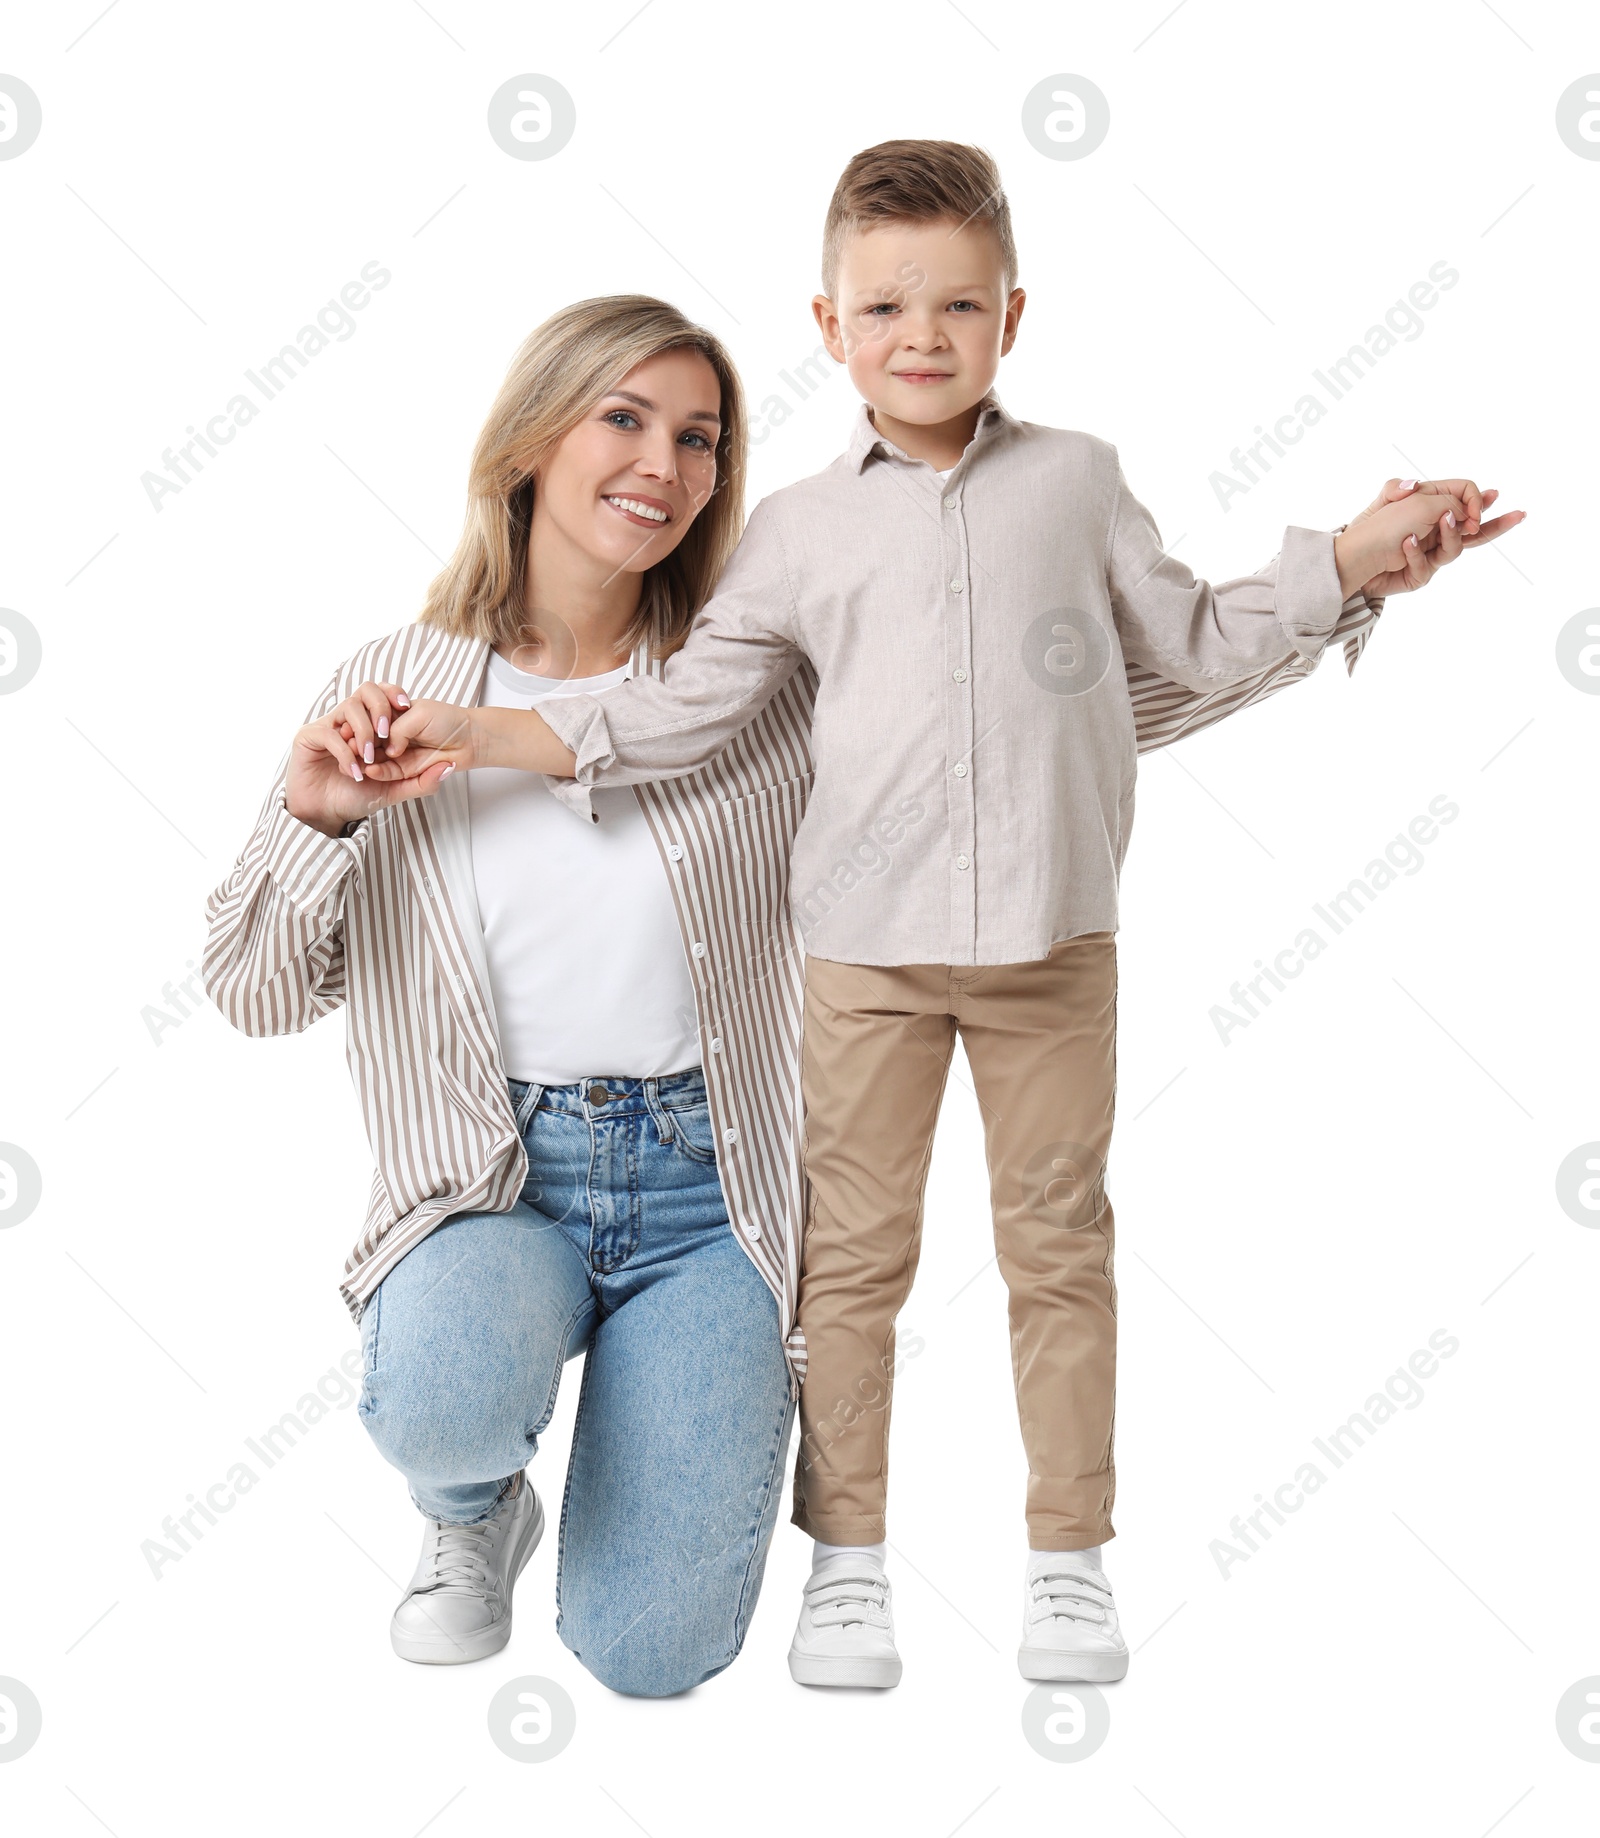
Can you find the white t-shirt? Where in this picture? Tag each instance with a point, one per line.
(586, 958)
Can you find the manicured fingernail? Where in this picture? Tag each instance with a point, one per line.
(1411, 542)
(403, 701)
(367, 753)
(1407, 484)
(448, 770)
(1450, 518)
(383, 727)
(355, 770)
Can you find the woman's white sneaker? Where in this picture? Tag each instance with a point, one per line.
(1069, 1623)
(846, 1630)
(457, 1606)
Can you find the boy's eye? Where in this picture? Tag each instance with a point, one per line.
(963, 306)
(883, 308)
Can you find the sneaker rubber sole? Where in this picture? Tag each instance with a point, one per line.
(877, 1672)
(1050, 1668)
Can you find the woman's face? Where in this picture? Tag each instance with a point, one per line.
(625, 484)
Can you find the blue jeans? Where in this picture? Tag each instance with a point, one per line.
(619, 1245)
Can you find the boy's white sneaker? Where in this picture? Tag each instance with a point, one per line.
(846, 1630)
(457, 1606)
(1069, 1623)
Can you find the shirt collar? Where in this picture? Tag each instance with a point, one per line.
(866, 441)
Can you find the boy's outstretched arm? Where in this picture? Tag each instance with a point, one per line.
(1206, 636)
(741, 650)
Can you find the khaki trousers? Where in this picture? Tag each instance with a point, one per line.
(876, 1047)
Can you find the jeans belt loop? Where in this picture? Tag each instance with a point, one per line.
(529, 1105)
(652, 1098)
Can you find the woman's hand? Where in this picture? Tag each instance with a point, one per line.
(334, 775)
(1413, 528)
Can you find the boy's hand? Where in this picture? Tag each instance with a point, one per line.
(430, 734)
(510, 738)
(1413, 528)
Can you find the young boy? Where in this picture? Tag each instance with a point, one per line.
(973, 593)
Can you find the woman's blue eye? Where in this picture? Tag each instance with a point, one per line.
(695, 434)
(619, 417)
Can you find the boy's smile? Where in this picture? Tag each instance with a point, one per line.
(921, 321)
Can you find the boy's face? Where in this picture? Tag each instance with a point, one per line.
(922, 318)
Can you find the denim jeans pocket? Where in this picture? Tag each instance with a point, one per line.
(692, 1132)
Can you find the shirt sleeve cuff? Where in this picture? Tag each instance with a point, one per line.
(1307, 599)
(580, 723)
(308, 866)
(570, 793)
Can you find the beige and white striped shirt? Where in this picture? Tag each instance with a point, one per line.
(384, 924)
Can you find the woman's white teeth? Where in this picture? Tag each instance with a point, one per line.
(639, 508)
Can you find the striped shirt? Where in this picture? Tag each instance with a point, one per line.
(384, 924)
(975, 724)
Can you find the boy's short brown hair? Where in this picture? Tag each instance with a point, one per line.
(917, 181)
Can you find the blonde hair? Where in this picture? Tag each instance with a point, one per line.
(917, 181)
(564, 368)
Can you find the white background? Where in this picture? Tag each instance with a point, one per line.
(1371, 1160)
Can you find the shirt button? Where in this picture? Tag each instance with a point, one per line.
(963, 861)
(674, 853)
(752, 1230)
(730, 1135)
(716, 1046)
(956, 587)
(959, 675)
(949, 504)
(698, 949)
(960, 769)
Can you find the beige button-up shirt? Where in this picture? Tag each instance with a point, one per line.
(980, 643)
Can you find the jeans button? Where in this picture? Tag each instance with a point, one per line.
(598, 1094)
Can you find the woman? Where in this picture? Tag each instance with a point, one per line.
(573, 1028)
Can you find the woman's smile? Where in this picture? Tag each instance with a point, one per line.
(649, 512)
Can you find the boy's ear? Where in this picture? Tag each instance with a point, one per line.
(826, 315)
(1014, 308)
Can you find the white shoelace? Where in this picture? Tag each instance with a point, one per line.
(458, 1557)
(1075, 1595)
(839, 1598)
